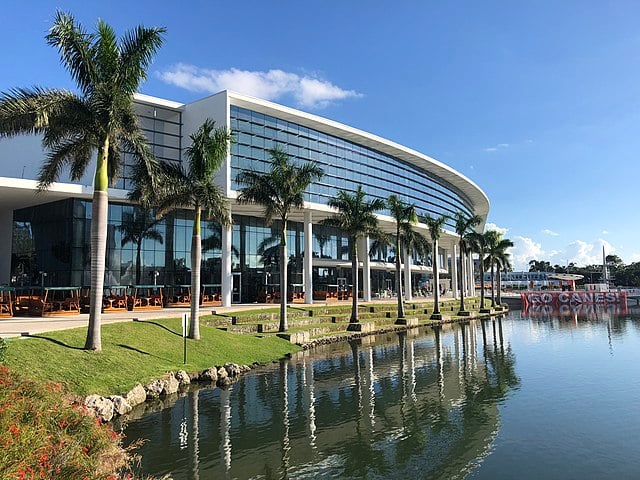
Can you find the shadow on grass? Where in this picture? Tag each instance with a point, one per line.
(134, 349)
(57, 342)
(164, 327)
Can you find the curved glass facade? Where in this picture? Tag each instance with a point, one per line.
(345, 164)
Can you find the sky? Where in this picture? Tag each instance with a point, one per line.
(537, 102)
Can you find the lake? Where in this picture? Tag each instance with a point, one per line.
(527, 396)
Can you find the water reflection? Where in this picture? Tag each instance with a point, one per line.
(413, 404)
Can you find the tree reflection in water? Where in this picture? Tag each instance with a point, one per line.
(417, 404)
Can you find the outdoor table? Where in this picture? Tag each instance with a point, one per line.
(146, 297)
(115, 298)
(55, 301)
(7, 299)
(211, 295)
(178, 295)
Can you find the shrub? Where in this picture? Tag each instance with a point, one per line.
(3, 349)
(44, 435)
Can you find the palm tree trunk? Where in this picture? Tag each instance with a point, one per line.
(398, 276)
(100, 208)
(493, 296)
(461, 277)
(482, 279)
(354, 281)
(139, 246)
(196, 258)
(283, 278)
(499, 293)
(436, 280)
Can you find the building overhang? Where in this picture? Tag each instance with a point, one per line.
(16, 193)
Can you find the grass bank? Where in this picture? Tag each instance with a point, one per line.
(133, 352)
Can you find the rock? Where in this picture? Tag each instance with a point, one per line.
(183, 378)
(136, 395)
(194, 376)
(100, 406)
(154, 389)
(171, 385)
(222, 373)
(209, 375)
(223, 382)
(246, 368)
(232, 370)
(120, 405)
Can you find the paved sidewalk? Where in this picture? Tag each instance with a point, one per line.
(17, 326)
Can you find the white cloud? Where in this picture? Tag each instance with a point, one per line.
(551, 233)
(584, 253)
(307, 91)
(605, 232)
(635, 257)
(493, 226)
(499, 146)
(523, 251)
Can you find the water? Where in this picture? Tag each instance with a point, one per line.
(538, 398)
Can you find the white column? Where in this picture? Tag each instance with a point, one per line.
(227, 281)
(472, 280)
(363, 255)
(308, 257)
(454, 272)
(407, 277)
(6, 235)
(445, 264)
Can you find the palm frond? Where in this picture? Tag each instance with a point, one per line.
(76, 50)
(75, 151)
(30, 110)
(137, 49)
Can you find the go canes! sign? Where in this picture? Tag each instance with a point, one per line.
(557, 299)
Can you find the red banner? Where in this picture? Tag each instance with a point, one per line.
(558, 299)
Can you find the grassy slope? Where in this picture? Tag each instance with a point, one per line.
(134, 352)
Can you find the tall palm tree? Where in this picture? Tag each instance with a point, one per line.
(464, 225)
(279, 191)
(435, 231)
(405, 217)
(355, 217)
(136, 227)
(99, 118)
(503, 264)
(496, 246)
(194, 188)
(477, 244)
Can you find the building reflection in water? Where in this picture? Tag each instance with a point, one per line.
(417, 403)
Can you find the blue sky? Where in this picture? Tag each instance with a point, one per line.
(537, 102)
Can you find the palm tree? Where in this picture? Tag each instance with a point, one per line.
(496, 246)
(477, 243)
(502, 264)
(435, 230)
(194, 187)
(100, 118)
(405, 217)
(279, 190)
(355, 217)
(136, 227)
(464, 226)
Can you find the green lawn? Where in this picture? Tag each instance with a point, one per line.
(134, 352)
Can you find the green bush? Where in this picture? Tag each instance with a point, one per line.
(3, 349)
(44, 435)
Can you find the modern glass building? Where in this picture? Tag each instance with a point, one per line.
(48, 233)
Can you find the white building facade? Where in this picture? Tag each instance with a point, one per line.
(49, 232)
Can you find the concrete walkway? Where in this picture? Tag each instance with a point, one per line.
(17, 326)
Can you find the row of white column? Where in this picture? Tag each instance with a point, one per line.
(363, 248)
